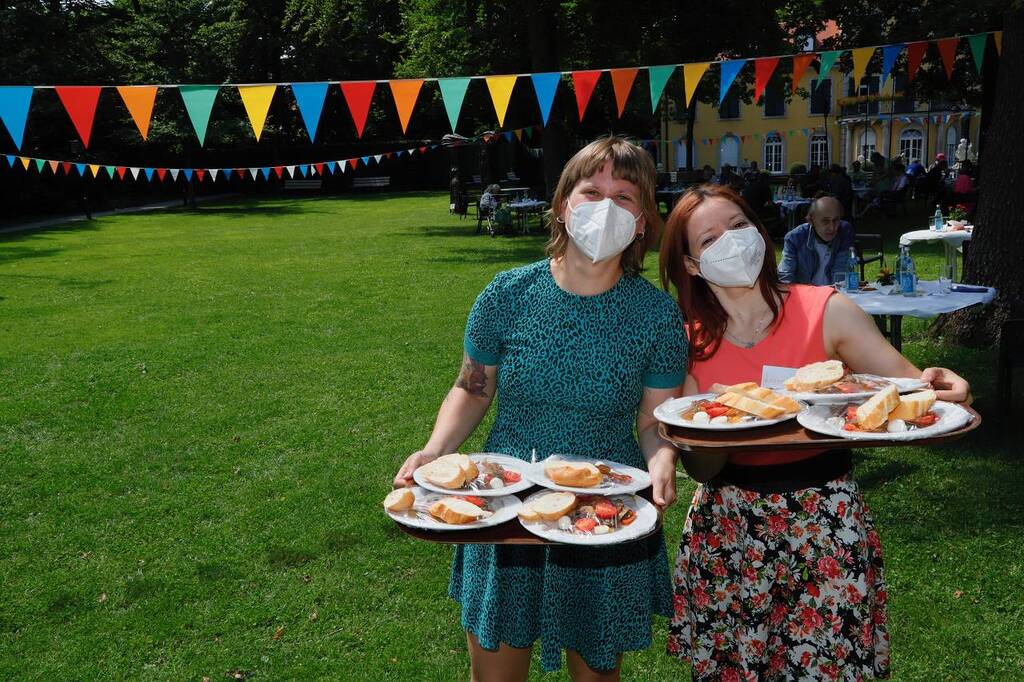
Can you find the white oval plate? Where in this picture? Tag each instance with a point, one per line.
(668, 412)
(828, 420)
(641, 479)
(903, 385)
(504, 508)
(504, 460)
(646, 518)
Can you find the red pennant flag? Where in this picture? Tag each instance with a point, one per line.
(763, 70)
(66, 165)
(800, 64)
(278, 171)
(423, 150)
(947, 48)
(200, 173)
(161, 173)
(353, 163)
(80, 103)
(915, 52)
(121, 171)
(358, 95)
(622, 82)
(583, 82)
(319, 168)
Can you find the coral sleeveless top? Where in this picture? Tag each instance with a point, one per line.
(797, 340)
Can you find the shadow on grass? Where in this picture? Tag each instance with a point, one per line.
(519, 254)
(17, 253)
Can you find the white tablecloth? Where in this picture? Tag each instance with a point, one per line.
(929, 305)
(793, 204)
(953, 238)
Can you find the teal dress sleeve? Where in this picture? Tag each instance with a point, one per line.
(483, 341)
(667, 368)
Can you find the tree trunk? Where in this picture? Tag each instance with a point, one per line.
(542, 19)
(997, 250)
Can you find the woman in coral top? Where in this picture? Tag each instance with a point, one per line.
(779, 571)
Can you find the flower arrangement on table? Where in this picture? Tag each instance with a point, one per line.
(957, 217)
(885, 282)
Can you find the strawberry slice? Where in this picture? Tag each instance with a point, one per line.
(509, 476)
(924, 421)
(605, 510)
(586, 525)
(473, 499)
(716, 411)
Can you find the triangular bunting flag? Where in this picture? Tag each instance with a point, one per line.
(453, 92)
(947, 49)
(80, 103)
(227, 173)
(889, 55)
(828, 59)
(915, 52)
(977, 43)
(25, 161)
(149, 174)
(310, 98)
(121, 170)
(378, 157)
(200, 174)
(257, 99)
(622, 83)
(188, 175)
(358, 95)
(658, 77)
(997, 38)
(342, 165)
(303, 170)
(10, 159)
(265, 171)
(279, 171)
(518, 133)
(507, 135)
(692, 73)
(80, 167)
(14, 104)
(319, 168)
(174, 174)
(135, 172)
(583, 82)
(729, 71)
(800, 64)
(213, 174)
(500, 88)
(763, 70)
(405, 93)
(40, 165)
(53, 167)
(66, 165)
(353, 163)
(365, 160)
(139, 100)
(94, 169)
(111, 171)
(161, 173)
(861, 57)
(198, 101)
(545, 85)
(252, 173)
(330, 167)
(290, 170)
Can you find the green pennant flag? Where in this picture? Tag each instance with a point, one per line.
(453, 91)
(39, 165)
(528, 132)
(977, 43)
(658, 76)
(110, 171)
(828, 59)
(198, 101)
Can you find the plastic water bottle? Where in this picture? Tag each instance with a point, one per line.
(937, 225)
(852, 273)
(908, 273)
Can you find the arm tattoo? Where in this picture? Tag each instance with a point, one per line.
(472, 378)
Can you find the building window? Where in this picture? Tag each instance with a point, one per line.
(911, 145)
(821, 97)
(867, 144)
(906, 103)
(774, 100)
(729, 152)
(819, 150)
(868, 86)
(774, 161)
(730, 107)
(951, 142)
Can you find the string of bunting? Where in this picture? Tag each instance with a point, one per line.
(80, 101)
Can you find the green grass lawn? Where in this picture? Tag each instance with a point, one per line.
(201, 412)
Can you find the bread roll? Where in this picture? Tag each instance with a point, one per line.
(758, 408)
(875, 411)
(913, 406)
(816, 375)
(552, 506)
(456, 510)
(400, 499)
(444, 473)
(468, 466)
(528, 513)
(573, 474)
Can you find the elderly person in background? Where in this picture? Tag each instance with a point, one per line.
(810, 250)
(858, 175)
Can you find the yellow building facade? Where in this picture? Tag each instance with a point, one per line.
(835, 122)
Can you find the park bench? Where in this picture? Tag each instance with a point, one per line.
(373, 182)
(303, 184)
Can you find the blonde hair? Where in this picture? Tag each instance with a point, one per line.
(630, 163)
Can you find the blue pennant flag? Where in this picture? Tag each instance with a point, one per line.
(310, 98)
(330, 167)
(227, 173)
(266, 172)
(149, 173)
(545, 85)
(14, 103)
(10, 160)
(508, 136)
(301, 170)
(729, 71)
(365, 160)
(80, 167)
(188, 175)
(889, 55)
(398, 155)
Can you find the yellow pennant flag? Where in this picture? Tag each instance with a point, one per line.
(139, 99)
(94, 169)
(519, 134)
(256, 99)
(500, 88)
(692, 73)
(405, 93)
(25, 161)
(998, 38)
(861, 57)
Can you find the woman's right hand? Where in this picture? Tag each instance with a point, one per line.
(411, 464)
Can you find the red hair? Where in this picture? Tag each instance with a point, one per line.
(706, 319)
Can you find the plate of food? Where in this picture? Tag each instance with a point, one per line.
(728, 408)
(888, 416)
(587, 519)
(833, 382)
(573, 474)
(484, 474)
(428, 510)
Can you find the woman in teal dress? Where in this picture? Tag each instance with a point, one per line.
(579, 348)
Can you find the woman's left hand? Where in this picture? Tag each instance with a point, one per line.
(948, 385)
(662, 468)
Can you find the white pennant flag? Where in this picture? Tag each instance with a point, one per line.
(174, 173)
(213, 173)
(342, 165)
(252, 173)
(379, 157)
(135, 173)
(290, 170)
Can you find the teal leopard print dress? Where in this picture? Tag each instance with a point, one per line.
(571, 372)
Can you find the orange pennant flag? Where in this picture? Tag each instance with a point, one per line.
(622, 82)
(692, 73)
(53, 167)
(25, 161)
(800, 64)
(861, 57)
(405, 93)
(139, 99)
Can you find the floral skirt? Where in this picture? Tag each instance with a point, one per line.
(780, 586)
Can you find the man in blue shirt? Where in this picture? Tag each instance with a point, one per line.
(810, 250)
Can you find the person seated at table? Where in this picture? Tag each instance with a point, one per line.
(965, 191)
(779, 563)
(810, 250)
(490, 199)
(708, 174)
(810, 183)
(839, 185)
(753, 174)
(857, 174)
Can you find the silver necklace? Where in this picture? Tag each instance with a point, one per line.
(757, 332)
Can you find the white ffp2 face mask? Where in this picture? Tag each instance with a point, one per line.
(600, 229)
(735, 259)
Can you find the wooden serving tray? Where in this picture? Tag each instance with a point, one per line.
(789, 435)
(509, 533)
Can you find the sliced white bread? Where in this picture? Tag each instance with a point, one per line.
(815, 375)
(400, 499)
(766, 395)
(573, 474)
(444, 473)
(753, 406)
(528, 513)
(468, 466)
(875, 411)
(913, 406)
(456, 510)
(552, 506)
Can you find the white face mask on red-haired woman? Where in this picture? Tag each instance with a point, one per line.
(734, 259)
